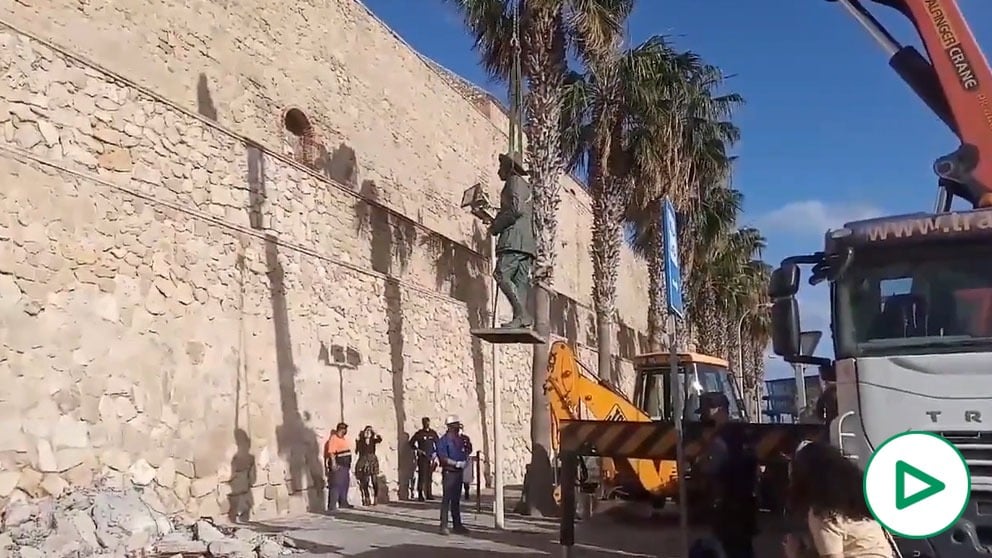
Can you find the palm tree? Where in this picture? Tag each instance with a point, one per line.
(725, 281)
(696, 135)
(613, 126)
(756, 331)
(757, 334)
(548, 29)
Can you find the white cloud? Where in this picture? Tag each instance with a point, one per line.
(812, 217)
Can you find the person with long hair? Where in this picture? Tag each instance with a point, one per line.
(827, 488)
(367, 468)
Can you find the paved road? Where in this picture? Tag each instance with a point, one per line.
(409, 530)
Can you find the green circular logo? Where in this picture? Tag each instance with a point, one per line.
(917, 484)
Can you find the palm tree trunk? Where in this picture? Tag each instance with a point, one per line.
(606, 238)
(708, 325)
(723, 337)
(546, 73)
(540, 478)
(657, 314)
(734, 350)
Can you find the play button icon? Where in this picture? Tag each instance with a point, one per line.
(906, 472)
(917, 484)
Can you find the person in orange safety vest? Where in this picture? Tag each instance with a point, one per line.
(337, 461)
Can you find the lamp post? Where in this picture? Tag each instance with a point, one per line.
(477, 202)
(740, 348)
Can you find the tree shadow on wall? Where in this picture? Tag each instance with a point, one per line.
(565, 318)
(592, 334)
(340, 165)
(204, 100)
(391, 239)
(627, 348)
(467, 278)
(296, 441)
(256, 186)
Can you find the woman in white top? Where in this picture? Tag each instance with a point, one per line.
(828, 487)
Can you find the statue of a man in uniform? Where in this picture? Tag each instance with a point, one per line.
(513, 226)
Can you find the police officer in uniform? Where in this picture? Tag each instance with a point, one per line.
(731, 471)
(424, 444)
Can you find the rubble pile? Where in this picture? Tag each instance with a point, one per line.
(128, 523)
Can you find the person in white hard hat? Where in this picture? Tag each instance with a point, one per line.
(453, 459)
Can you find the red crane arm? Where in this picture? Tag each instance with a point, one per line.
(955, 82)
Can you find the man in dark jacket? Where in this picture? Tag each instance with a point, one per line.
(513, 227)
(424, 445)
(731, 471)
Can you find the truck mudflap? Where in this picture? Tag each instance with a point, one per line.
(970, 536)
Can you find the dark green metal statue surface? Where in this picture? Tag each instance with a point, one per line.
(513, 226)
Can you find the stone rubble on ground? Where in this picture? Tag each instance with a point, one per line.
(122, 523)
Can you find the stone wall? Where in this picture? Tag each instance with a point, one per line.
(188, 301)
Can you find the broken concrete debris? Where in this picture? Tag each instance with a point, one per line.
(122, 523)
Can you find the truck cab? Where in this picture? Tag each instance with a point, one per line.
(911, 321)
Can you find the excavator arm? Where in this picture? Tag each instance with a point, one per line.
(954, 80)
(575, 395)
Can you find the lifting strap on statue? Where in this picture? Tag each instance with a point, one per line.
(515, 94)
(512, 270)
(516, 133)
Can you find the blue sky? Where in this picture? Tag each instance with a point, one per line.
(830, 133)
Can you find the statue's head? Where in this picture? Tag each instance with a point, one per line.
(511, 164)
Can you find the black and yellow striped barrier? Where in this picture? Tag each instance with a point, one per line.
(656, 440)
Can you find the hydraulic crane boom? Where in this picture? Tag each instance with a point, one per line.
(956, 83)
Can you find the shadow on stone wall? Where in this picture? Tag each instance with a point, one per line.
(297, 443)
(591, 329)
(391, 241)
(243, 476)
(468, 280)
(629, 344)
(340, 358)
(341, 165)
(256, 186)
(241, 501)
(204, 100)
(565, 318)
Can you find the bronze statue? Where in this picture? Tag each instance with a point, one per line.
(513, 226)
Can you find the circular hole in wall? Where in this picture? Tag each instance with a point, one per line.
(296, 122)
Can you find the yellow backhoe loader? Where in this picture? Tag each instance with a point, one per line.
(576, 394)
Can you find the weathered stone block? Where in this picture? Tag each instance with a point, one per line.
(71, 433)
(54, 485)
(202, 487)
(141, 473)
(30, 482)
(47, 463)
(8, 482)
(166, 473)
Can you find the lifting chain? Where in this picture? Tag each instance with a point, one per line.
(516, 85)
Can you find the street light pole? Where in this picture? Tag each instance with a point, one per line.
(740, 351)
